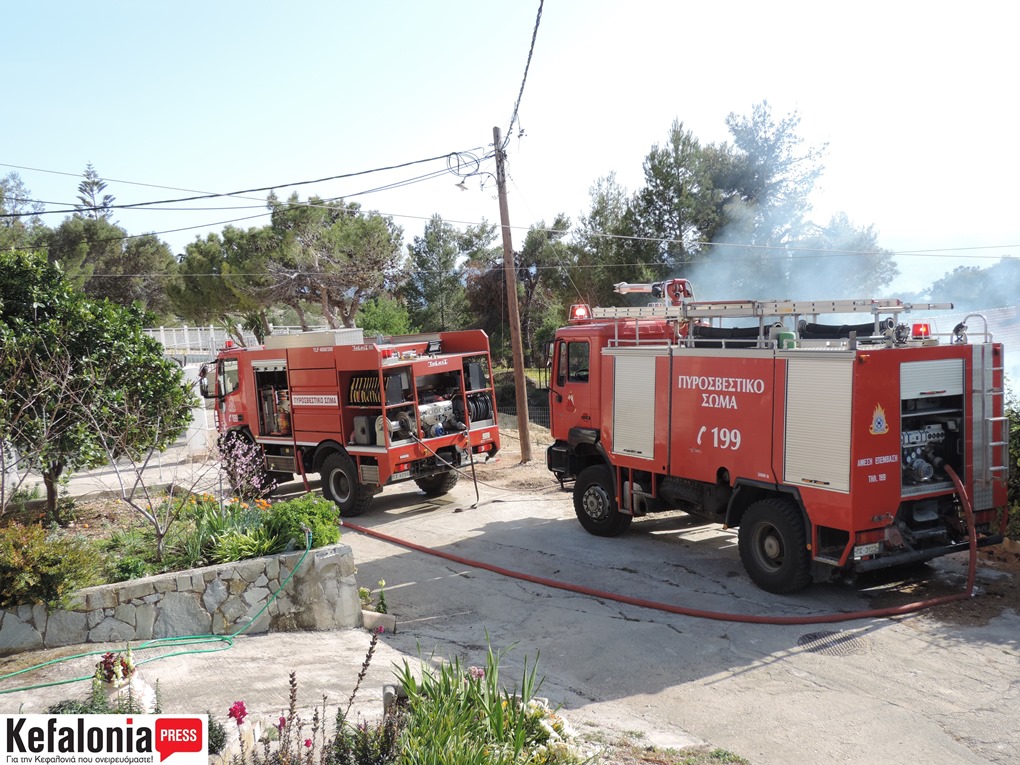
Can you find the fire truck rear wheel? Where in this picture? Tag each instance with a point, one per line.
(773, 546)
(438, 485)
(595, 503)
(340, 484)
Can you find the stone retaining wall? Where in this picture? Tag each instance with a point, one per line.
(217, 600)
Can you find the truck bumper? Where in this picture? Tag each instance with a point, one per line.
(917, 556)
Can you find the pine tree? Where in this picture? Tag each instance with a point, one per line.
(89, 190)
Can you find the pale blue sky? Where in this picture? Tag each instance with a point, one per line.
(915, 99)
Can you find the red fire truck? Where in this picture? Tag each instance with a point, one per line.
(830, 447)
(362, 414)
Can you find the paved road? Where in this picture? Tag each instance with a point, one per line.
(935, 688)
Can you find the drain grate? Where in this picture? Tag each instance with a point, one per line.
(831, 643)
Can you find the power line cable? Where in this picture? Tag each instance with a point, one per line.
(527, 66)
(239, 193)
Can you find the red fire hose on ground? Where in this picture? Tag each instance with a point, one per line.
(877, 613)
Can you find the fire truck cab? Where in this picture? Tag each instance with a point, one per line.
(362, 414)
(830, 447)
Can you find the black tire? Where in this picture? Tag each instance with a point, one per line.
(340, 484)
(773, 546)
(439, 484)
(595, 503)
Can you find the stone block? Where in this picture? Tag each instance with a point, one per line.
(219, 624)
(181, 614)
(237, 586)
(215, 594)
(111, 631)
(273, 568)
(66, 628)
(136, 590)
(94, 617)
(261, 624)
(76, 602)
(125, 613)
(250, 570)
(372, 621)
(100, 597)
(255, 595)
(164, 583)
(17, 636)
(182, 583)
(233, 609)
(39, 614)
(262, 581)
(145, 617)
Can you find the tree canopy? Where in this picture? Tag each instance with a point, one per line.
(75, 369)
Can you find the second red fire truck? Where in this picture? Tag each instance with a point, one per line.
(831, 448)
(362, 413)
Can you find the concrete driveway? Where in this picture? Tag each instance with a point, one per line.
(938, 687)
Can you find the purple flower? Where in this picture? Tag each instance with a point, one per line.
(282, 724)
(238, 711)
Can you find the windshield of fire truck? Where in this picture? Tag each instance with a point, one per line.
(229, 379)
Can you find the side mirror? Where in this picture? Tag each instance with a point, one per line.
(203, 381)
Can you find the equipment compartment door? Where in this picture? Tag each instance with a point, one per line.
(818, 407)
(633, 406)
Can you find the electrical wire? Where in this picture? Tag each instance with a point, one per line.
(527, 66)
(240, 193)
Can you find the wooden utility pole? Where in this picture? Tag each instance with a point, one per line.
(510, 270)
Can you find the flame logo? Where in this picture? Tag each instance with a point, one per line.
(879, 424)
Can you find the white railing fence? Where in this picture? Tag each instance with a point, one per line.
(209, 339)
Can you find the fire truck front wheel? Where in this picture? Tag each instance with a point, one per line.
(595, 503)
(340, 484)
(773, 546)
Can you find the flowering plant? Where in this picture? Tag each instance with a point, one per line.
(115, 667)
(238, 711)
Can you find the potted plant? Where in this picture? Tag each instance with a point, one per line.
(117, 678)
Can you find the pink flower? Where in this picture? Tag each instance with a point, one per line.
(282, 724)
(308, 743)
(238, 711)
(380, 630)
(476, 673)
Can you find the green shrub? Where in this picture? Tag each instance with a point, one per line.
(238, 545)
(36, 568)
(288, 519)
(131, 567)
(217, 735)
(466, 716)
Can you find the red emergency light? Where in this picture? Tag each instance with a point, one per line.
(921, 331)
(580, 312)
